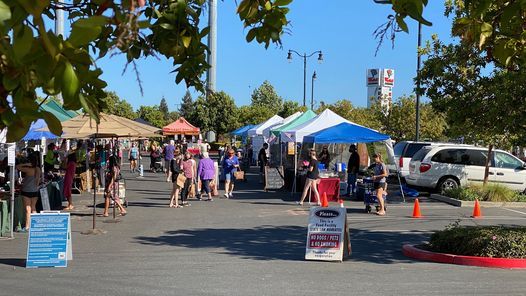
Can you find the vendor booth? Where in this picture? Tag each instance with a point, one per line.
(181, 127)
(256, 133)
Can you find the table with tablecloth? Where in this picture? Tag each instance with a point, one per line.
(330, 186)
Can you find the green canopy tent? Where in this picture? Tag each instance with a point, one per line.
(56, 109)
(306, 116)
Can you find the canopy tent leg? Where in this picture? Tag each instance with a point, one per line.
(295, 170)
(390, 154)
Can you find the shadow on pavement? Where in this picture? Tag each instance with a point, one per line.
(287, 243)
(13, 262)
(383, 247)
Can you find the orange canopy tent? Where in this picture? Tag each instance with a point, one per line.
(180, 127)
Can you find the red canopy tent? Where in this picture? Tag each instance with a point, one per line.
(180, 127)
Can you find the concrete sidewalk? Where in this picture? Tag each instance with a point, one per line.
(253, 244)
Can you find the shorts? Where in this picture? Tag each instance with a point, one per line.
(229, 176)
(30, 194)
(167, 164)
(378, 185)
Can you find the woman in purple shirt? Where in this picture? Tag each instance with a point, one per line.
(206, 172)
(230, 165)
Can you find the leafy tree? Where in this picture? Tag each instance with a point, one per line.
(112, 104)
(265, 96)
(34, 58)
(187, 108)
(163, 107)
(217, 113)
(153, 115)
(482, 106)
(252, 115)
(172, 116)
(290, 107)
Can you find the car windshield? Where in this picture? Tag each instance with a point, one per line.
(399, 148)
(414, 148)
(419, 156)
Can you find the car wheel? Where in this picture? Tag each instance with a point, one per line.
(447, 183)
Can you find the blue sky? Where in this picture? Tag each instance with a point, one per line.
(342, 29)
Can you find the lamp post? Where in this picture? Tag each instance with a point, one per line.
(305, 56)
(312, 91)
(417, 132)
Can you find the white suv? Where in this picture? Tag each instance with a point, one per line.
(444, 167)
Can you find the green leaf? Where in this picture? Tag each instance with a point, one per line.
(268, 5)
(251, 34)
(70, 85)
(167, 26)
(143, 24)
(282, 2)
(402, 24)
(5, 12)
(9, 82)
(86, 30)
(186, 40)
(22, 42)
(53, 123)
(17, 129)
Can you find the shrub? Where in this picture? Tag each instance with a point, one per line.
(489, 192)
(485, 241)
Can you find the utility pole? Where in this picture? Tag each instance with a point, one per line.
(59, 30)
(417, 132)
(212, 46)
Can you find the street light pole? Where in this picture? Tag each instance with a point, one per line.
(312, 91)
(417, 132)
(305, 56)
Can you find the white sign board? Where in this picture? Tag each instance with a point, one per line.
(373, 77)
(11, 154)
(327, 236)
(388, 77)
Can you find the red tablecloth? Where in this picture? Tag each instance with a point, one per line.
(331, 186)
(194, 151)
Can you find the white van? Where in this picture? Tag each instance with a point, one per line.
(449, 166)
(403, 152)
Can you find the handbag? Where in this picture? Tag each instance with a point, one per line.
(181, 179)
(239, 175)
(192, 191)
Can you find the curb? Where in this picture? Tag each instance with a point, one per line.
(486, 204)
(416, 253)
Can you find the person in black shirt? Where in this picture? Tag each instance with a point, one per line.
(262, 161)
(353, 166)
(325, 157)
(313, 174)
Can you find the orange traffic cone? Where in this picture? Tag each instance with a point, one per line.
(340, 201)
(324, 202)
(476, 210)
(416, 209)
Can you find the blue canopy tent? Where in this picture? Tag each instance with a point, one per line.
(345, 133)
(242, 131)
(37, 131)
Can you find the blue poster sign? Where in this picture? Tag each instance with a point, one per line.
(49, 242)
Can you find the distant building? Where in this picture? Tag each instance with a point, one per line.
(380, 83)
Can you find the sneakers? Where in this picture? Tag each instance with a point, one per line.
(226, 195)
(231, 195)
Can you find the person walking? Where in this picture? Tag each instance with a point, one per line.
(379, 181)
(68, 179)
(134, 155)
(353, 167)
(29, 190)
(262, 161)
(206, 172)
(176, 169)
(168, 156)
(190, 171)
(230, 165)
(313, 174)
(112, 187)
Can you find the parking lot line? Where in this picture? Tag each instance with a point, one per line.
(515, 211)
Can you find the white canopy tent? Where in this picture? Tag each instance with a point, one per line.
(324, 120)
(258, 129)
(266, 131)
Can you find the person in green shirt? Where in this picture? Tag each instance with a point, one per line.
(50, 158)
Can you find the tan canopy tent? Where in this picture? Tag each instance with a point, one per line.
(83, 126)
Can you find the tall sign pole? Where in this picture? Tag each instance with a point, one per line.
(59, 30)
(417, 132)
(212, 45)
